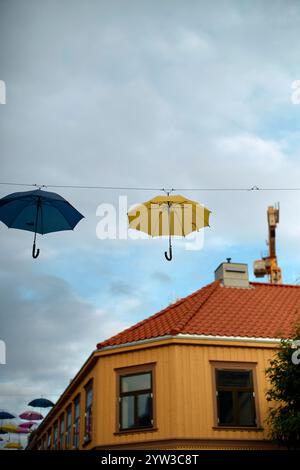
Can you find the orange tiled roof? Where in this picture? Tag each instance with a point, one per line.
(262, 311)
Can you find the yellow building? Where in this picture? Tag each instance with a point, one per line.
(190, 377)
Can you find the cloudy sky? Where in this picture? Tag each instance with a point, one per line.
(152, 94)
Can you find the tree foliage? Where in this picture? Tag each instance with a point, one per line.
(284, 377)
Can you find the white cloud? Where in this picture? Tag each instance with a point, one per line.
(252, 151)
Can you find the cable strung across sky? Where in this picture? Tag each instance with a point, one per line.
(134, 188)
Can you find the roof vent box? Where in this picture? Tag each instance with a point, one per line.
(232, 274)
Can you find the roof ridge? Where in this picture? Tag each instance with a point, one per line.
(157, 314)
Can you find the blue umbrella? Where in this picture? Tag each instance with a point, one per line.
(6, 415)
(39, 212)
(41, 403)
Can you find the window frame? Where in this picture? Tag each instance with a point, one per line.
(132, 371)
(238, 366)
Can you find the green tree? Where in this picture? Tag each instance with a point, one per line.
(284, 377)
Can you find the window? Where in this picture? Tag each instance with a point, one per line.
(49, 436)
(55, 435)
(69, 427)
(88, 412)
(76, 422)
(135, 401)
(61, 431)
(235, 398)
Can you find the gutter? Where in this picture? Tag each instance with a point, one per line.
(230, 338)
(193, 337)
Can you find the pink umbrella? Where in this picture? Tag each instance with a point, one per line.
(26, 425)
(31, 415)
(23, 431)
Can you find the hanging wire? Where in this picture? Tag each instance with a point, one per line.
(136, 188)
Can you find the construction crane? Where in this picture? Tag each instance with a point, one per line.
(267, 265)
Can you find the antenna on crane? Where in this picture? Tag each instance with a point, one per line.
(267, 265)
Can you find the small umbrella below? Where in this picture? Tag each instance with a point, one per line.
(13, 445)
(23, 430)
(9, 428)
(41, 403)
(6, 415)
(31, 415)
(26, 425)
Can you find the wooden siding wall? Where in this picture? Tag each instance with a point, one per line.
(164, 388)
(184, 395)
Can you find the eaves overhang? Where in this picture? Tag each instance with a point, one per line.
(191, 337)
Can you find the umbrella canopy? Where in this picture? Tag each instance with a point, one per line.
(23, 430)
(41, 403)
(6, 415)
(10, 428)
(31, 415)
(169, 215)
(2, 431)
(13, 445)
(26, 425)
(39, 212)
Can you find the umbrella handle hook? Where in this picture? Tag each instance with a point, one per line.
(35, 252)
(169, 256)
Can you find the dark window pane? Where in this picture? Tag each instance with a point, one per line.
(49, 440)
(246, 409)
(89, 397)
(233, 378)
(144, 409)
(132, 383)
(127, 412)
(62, 432)
(226, 413)
(76, 422)
(55, 435)
(77, 408)
(88, 423)
(69, 417)
(69, 425)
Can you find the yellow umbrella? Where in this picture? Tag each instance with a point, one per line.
(13, 445)
(169, 215)
(10, 428)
